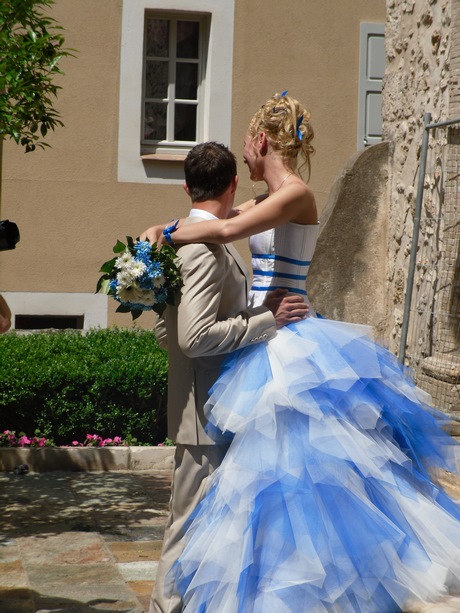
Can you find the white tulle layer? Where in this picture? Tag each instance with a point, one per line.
(324, 501)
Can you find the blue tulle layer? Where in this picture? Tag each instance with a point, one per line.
(324, 502)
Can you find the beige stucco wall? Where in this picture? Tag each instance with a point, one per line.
(67, 201)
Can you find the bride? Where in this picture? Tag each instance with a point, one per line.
(325, 500)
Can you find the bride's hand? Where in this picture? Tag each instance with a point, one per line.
(154, 234)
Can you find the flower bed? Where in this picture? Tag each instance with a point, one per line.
(21, 453)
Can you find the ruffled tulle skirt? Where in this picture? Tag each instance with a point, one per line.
(324, 501)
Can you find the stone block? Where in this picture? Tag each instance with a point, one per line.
(87, 458)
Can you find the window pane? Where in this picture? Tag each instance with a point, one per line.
(156, 79)
(188, 33)
(158, 37)
(185, 122)
(186, 81)
(155, 121)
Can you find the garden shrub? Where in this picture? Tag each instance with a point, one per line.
(66, 384)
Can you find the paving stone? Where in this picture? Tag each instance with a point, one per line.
(65, 548)
(13, 574)
(137, 551)
(143, 591)
(138, 571)
(82, 583)
(152, 532)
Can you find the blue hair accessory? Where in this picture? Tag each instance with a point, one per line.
(169, 230)
(299, 133)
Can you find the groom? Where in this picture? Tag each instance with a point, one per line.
(210, 319)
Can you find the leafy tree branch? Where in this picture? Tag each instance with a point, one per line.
(31, 47)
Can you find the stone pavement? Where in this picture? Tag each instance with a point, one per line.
(81, 542)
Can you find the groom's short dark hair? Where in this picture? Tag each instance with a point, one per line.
(209, 169)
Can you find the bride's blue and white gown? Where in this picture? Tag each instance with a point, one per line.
(323, 502)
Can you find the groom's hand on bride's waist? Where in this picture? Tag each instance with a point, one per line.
(287, 308)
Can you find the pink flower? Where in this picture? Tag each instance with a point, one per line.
(160, 445)
(117, 440)
(6, 432)
(75, 443)
(23, 440)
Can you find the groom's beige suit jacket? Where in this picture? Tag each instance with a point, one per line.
(210, 320)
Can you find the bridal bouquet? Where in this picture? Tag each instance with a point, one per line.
(140, 277)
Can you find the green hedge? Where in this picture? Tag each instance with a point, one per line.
(67, 384)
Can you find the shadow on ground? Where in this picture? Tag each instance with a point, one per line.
(41, 504)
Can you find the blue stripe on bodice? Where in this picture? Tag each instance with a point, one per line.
(277, 275)
(280, 258)
(268, 288)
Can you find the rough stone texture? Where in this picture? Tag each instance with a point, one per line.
(346, 279)
(417, 40)
(423, 75)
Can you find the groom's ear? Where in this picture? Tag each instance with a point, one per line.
(235, 183)
(187, 191)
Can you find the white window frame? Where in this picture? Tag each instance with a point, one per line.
(169, 146)
(93, 307)
(215, 94)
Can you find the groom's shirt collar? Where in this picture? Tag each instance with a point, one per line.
(202, 213)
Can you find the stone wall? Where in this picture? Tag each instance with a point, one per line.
(417, 39)
(422, 75)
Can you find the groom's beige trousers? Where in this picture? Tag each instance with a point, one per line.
(193, 464)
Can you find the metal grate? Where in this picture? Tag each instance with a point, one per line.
(430, 340)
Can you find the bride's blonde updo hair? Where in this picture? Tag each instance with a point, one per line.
(286, 124)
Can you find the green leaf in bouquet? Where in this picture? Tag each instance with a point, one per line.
(99, 283)
(136, 313)
(130, 241)
(108, 266)
(122, 308)
(119, 247)
(103, 285)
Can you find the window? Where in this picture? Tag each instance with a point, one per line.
(371, 71)
(175, 84)
(37, 310)
(174, 68)
(45, 322)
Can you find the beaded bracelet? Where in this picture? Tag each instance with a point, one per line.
(169, 230)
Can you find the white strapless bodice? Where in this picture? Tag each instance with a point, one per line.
(281, 259)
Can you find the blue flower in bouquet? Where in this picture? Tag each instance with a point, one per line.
(140, 277)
